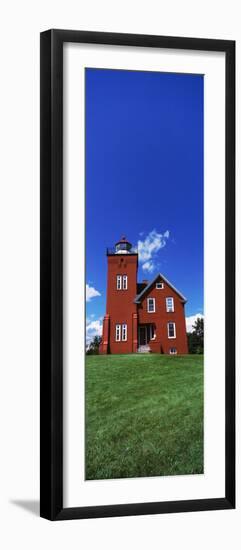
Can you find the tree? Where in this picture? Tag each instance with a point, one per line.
(93, 348)
(196, 338)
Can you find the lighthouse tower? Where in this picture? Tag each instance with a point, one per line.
(120, 321)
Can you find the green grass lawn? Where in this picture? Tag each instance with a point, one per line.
(144, 415)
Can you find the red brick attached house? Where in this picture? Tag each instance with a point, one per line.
(141, 317)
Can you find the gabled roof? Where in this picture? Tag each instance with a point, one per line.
(140, 287)
(139, 296)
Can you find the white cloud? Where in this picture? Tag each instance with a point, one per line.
(191, 320)
(91, 292)
(149, 266)
(93, 328)
(149, 247)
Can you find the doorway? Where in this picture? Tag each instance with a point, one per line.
(142, 335)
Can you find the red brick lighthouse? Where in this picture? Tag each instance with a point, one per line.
(140, 317)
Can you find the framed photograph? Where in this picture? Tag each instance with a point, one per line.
(137, 274)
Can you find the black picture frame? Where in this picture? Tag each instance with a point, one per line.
(51, 325)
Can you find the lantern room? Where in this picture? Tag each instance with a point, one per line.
(123, 246)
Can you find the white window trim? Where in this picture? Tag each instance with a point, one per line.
(153, 332)
(159, 287)
(124, 332)
(118, 333)
(154, 305)
(168, 307)
(118, 282)
(174, 325)
(125, 282)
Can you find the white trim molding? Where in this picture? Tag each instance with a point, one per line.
(174, 329)
(148, 305)
(118, 282)
(124, 282)
(170, 304)
(160, 285)
(118, 333)
(124, 332)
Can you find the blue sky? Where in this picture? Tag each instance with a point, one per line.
(144, 179)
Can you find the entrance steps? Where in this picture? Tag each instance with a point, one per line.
(144, 349)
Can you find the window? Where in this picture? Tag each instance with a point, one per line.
(124, 333)
(118, 282)
(159, 286)
(121, 282)
(173, 351)
(169, 304)
(171, 330)
(125, 278)
(151, 305)
(118, 333)
(121, 333)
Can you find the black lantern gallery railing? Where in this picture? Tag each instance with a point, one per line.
(111, 251)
